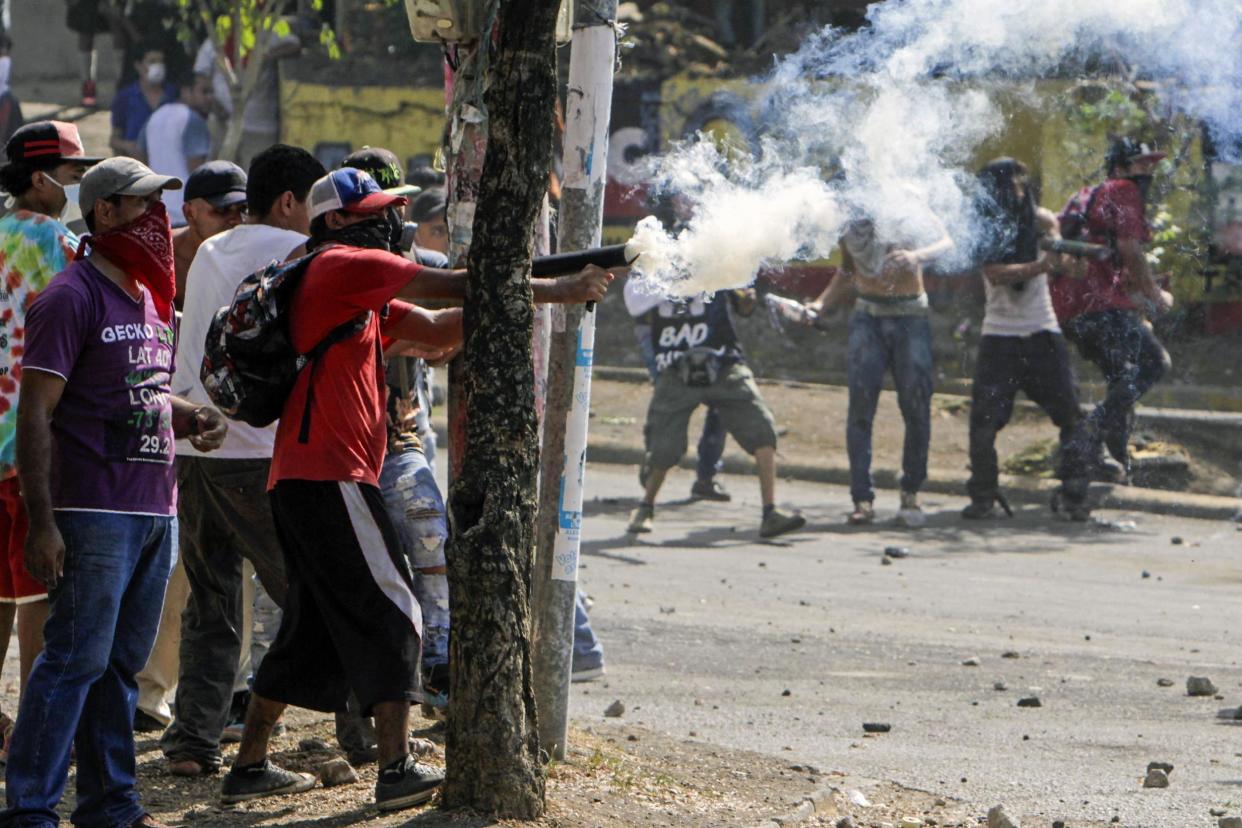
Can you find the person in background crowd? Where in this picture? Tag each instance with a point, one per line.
(135, 103)
(89, 18)
(889, 331)
(226, 515)
(96, 425)
(215, 201)
(340, 547)
(45, 163)
(11, 118)
(175, 140)
(700, 362)
(261, 116)
(407, 482)
(429, 211)
(1102, 313)
(1022, 347)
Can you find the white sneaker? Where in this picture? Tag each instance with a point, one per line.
(910, 515)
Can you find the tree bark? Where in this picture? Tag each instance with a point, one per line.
(492, 745)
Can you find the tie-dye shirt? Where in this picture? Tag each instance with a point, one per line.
(33, 249)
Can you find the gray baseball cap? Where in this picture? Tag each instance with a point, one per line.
(121, 176)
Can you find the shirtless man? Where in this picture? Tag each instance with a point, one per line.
(889, 331)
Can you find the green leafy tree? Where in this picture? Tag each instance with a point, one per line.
(246, 35)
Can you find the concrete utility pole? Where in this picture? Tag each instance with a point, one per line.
(588, 111)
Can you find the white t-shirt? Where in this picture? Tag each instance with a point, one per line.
(1019, 310)
(218, 268)
(174, 134)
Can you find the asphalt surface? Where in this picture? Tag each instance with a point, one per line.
(706, 627)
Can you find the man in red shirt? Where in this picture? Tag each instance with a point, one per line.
(351, 621)
(1103, 312)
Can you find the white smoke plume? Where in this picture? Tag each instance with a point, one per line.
(880, 123)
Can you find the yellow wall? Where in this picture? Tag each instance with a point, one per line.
(408, 121)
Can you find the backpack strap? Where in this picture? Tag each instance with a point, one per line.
(338, 334)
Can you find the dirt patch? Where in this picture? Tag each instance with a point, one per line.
(614, 776)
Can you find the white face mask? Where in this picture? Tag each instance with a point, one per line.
(155, 73)
(70, 210)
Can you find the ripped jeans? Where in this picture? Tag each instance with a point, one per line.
(417, 510)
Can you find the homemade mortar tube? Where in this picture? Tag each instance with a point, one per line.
(1077, 249)
(562, 264)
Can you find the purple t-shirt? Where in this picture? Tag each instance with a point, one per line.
(112, 429)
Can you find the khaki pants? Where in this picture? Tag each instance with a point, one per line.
(157, 683)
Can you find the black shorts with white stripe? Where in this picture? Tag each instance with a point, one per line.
(351, 621)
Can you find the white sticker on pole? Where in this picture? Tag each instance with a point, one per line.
(588, 107)
(568, 540)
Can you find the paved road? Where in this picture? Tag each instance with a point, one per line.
(706, 627)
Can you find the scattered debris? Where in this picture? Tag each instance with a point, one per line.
(886, 561)
(337, 772)
(876, 727)
(786, 692)
(1176, 541)
(1146, 574)
(896, 552)
(846, 822)
(313, 746)
(973, 661)
(1200, 686)
(1165, 682)
(856, 797)
(1230, 822)
(1030, 701)
(1000, 686)
(615, 710)
(667, 610)
(1167, 767)
(1156, 778)
(997, 818)
(1011, 654)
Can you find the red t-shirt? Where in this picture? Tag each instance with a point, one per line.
(1116, 214)
(347, 427)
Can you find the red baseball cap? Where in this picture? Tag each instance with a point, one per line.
(48, 143)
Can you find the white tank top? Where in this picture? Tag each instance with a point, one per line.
(1019, 310)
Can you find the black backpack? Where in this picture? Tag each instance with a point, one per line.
(249, 362)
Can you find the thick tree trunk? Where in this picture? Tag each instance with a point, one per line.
(492, 745)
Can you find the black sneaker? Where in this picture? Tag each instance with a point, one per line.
(709, 490)
(980, 509)
(406, 784)
(146, 723)
(262, 780)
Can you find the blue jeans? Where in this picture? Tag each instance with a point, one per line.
(101, 628)
(712, 440)
(414, 504)
(879, 344)
(588, 652)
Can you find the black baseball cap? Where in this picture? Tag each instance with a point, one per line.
(219, 183)
(382, 165)
(48, 144)
(428, 204)
(1124, 151)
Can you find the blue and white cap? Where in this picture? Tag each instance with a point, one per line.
(352, 191)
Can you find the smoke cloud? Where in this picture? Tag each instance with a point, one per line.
(880, 123)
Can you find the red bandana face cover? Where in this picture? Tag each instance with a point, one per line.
(143, 249)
